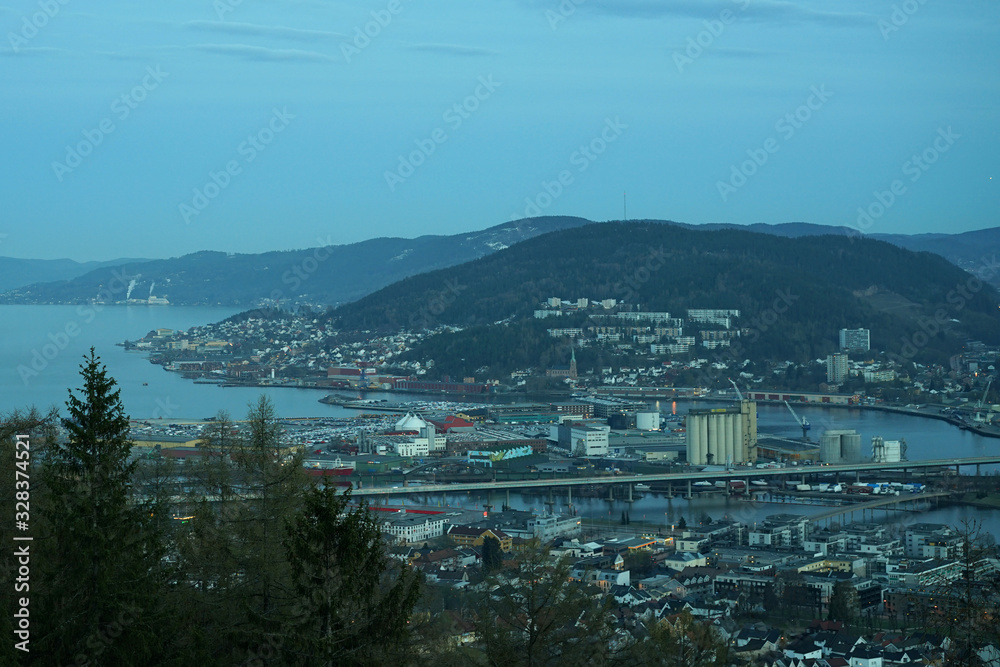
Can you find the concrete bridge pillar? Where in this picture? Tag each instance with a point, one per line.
(689, 495)
(630, 498)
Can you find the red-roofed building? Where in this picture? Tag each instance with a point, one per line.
(451, 423)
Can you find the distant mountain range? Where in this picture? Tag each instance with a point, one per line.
(331, 275)
(974, 251)
(794, 294)
(16, 273)
(337, 275)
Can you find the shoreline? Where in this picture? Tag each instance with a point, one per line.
(667, 393)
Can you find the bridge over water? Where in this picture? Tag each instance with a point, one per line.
(875, 504)
(684, 480)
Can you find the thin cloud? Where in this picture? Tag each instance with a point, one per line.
(767, 11)
(33, 51)
(728, 52)
(452, 50)
(261, 30)
(260, 53)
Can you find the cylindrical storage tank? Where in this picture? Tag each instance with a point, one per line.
(693, 425)
(703, 440)
(618, 421)
(709, 439)
(723, 451)
(850, 447)
(647, 421)
(694, 454)
(716, 448)
(692, 440)
(829, 448)
(731, 438)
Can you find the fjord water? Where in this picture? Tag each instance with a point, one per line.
(39, 361)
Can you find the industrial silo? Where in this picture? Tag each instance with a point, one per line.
(850, 447)
(829, 447)
(647, 421)
(697, 440)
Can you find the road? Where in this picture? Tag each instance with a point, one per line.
(680, 477)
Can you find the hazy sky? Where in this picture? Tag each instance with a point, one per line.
(154, 129)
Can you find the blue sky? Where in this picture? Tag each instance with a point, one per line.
(155, 129)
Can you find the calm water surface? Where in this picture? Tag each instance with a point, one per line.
(42, 347)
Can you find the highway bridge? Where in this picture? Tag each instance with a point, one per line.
(684, 480)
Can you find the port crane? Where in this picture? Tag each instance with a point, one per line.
(982, 401)
(738, 394)
(801, 421)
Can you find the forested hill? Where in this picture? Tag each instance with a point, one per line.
(835, 282)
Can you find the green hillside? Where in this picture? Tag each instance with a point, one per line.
(830, 282)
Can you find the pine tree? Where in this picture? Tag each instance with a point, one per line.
(351, 605)
(492, 555)
(268, 483)
(102, 577)
(530, 615)
(844, 603)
